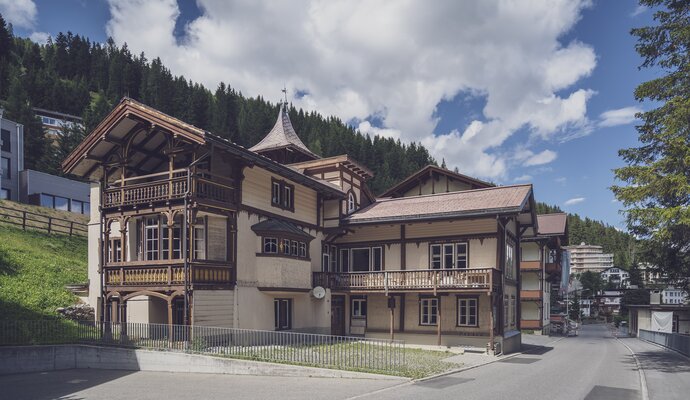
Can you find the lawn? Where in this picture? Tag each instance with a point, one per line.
(34, 269)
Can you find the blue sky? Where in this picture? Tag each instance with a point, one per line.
(569, 161)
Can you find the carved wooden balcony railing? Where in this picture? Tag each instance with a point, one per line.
(164, 186)
(411, 279)
(166, 273)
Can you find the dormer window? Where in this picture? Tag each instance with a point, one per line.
(351, 203)
(282, 195)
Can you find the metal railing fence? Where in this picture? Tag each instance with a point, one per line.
(339, 352)
(674, 341)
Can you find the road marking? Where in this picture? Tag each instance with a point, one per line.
(643, 379)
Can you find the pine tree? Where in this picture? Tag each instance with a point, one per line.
(656, 193)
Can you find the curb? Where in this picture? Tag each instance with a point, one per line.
(640, 371)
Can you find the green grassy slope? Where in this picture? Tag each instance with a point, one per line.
(34, 269)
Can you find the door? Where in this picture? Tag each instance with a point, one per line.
(338, 315)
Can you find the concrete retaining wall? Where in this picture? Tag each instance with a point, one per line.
(21, 359)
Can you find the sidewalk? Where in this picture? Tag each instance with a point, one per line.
(667, 372)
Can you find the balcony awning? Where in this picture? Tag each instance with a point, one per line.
(281, 228)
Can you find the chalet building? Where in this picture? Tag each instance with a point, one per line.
(541, 270)
(189, 228)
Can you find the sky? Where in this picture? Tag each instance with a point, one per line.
(521, 91)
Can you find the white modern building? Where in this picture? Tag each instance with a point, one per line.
(54, 121)
(671, 295)
(587, 257)
(618, 276)
(11, 157)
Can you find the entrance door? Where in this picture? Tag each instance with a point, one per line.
(338, 315)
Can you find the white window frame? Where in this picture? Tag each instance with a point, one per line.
(351, 203)
(428, 311)
(269, 245)
(466, 306)
(357, 308)
(448, 251)
(303, 249)
(275, 193)
(199, 231)
(151, 238)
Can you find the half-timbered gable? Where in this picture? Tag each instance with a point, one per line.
(433, 180)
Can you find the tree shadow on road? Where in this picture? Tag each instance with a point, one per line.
(535, 349)
(663, 361)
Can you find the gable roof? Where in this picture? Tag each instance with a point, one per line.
(282, 136)
(343, 159)
(130, 114)
(478, 202)
(552, 224)
(413, 180)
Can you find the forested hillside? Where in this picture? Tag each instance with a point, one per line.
(74, 75)
(587, 230)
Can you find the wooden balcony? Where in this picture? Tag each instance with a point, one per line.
(530, 294)
(166, 273)
(531, 324)
(530, 266)
(168, 187)
(410, 280)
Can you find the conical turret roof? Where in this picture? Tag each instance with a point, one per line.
(283, 136)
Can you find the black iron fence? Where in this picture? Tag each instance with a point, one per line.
(339, 352)
(674, 341)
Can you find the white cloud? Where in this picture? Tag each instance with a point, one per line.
(39, 37)
(544, 157)
(523, 178)
(638, 10)
(619, 116)
(573, 201)
(21, 13)
(366, 128)
(395, 60)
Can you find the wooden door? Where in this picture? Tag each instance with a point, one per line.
(338, 315)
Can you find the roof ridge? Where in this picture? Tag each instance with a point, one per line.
(452, 193)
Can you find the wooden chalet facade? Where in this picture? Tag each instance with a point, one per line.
(189, 228)
(541, 270)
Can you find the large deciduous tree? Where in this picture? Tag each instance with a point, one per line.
(656, 179)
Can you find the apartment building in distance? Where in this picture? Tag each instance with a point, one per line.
(189, 228)
(54, 122)
(35, 187)
(619, 277)
(587, 257)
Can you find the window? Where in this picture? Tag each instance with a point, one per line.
(270, 245)
(295, 249)
(428, 311)
(448, 255)
(302, 249)
(5, 139)
(362, 259)
(4, 194)
(351, 203)
(359, 307)
(5, 164)
(287, 197)
(326, 258)
(344, 260)
(468, 314)
(275, 198)
(282, 195)
(376, 258)
(176, 240)
(199, 232)
(115, 253)
(513, 310)
(151, 239)
(510, 260)
(61, 203)
(283, 314)
(285, 246)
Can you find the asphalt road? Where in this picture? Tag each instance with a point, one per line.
(592, 366)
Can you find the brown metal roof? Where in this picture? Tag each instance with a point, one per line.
(282, 135)
(495, 200)
(552, 224)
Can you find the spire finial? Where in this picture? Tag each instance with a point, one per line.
(284, 90)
